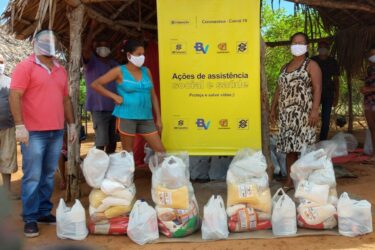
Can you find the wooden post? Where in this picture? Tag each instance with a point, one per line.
(265, 110)
(350, 99)
(75, 17)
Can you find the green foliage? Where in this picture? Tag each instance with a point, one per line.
(82, 91)
(278, 26)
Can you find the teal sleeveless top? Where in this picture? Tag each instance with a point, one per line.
(137, 103)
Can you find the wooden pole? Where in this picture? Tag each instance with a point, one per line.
(350, 99)
(265, 110)
(75, 17)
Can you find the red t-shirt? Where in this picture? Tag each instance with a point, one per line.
(43, 94)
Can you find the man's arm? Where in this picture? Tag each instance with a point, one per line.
(15, 101)
(15, 97)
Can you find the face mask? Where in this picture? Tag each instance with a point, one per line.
(2, 68)
(103, 51)
(372, 58)
(45, 44)
(137, 60)
(323, 51)
(298, 49)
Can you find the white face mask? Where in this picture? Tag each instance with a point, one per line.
(2, 68)
(298, 49)
(372, 58)
(103, 51)
(137, 60)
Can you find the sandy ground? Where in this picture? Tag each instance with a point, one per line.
(363, 186)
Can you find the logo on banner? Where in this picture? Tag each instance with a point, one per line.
(242, 47)
(180, 124)
(201, 48)
(201, 124)
(243, 124)
(178, 47)
(222, 48)
(224, 124)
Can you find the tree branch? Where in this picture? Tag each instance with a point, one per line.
(336, 5)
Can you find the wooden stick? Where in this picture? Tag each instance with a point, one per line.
(136, 24)
(286, 43)
(265, 111)
(110, 23)
(75, 18)
(104, 1)
(121, 9)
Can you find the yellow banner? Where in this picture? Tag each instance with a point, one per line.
(209, 54)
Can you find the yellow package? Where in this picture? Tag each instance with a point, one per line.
(265, 202)
(242, 193)
(173, 198)
(116, 211)
(96, 197)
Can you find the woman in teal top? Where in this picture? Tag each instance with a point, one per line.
(135, 99)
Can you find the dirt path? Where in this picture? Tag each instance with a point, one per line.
(363, 186)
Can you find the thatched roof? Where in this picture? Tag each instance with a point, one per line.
(352, 21)
(121, 19)
(13, 50)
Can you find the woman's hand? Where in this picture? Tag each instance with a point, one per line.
(313, 118)
(117, 99)
(159, 125)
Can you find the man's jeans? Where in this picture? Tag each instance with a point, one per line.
(326, 116)
(39, 163)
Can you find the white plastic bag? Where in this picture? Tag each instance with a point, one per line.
(214, 225)
(248, 163)
(345, 141)
(355, 217)
(71, 222)
(307, 164)
(316, 215)
(109, 186)
(121, 168)
(284, 216)
(143, 223)
(315, 193)
(368, 148)
(95, 167)
(325, 176)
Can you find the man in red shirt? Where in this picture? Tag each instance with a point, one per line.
(39, 101)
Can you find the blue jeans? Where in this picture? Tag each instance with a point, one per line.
(39, 163)
(326, 117)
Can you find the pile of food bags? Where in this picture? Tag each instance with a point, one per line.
(249, 196)
(112, 197)
(315, 182)
(172, 192)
